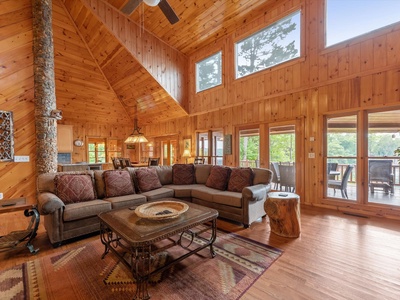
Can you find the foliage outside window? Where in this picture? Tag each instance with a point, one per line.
(249, 143)
(209, 72)
(97, 152)
(282, 147)
(271, 46)
(351, 18)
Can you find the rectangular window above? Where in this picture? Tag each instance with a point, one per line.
(269, 47)
(209, 72)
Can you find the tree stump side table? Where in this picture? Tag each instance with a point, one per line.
(283, 210)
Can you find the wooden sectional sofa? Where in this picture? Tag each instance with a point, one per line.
(71, 201)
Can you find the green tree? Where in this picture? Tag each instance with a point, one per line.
(267, 48)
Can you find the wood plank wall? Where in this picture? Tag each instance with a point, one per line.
(359, 75)
(16, 95)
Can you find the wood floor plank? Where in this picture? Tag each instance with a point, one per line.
(337, 256)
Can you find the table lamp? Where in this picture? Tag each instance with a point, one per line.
(186, 154)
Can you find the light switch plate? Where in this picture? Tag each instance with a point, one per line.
(311, 155)
(21, 158)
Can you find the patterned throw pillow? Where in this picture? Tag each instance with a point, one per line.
(240, 178)
(73, 188)
(118, 183)
(218, 178)
(183, 174)
(147, 179)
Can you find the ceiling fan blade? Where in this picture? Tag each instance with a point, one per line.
(130, 6)
(168, 11)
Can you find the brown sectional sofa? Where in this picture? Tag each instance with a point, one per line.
(64, 221)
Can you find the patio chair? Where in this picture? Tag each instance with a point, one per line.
(287, 177)
(275, 174)
(381, 175)
(332, 167)
(341, 184)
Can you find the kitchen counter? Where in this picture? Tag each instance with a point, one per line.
(79, 167)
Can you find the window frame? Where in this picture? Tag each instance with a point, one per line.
(287, 15)
(196, 67)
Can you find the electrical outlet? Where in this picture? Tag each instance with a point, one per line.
(21, 158)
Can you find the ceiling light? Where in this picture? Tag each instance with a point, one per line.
(136, 136)
(151, 2)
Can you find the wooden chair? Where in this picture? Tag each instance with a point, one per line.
(128, 162)
(341, 184)
(199, 160)
(154, 161)
(381, 175)
(116, 163)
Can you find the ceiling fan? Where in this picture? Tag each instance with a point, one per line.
(131, 5)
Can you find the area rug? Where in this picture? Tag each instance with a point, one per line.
(81, 273)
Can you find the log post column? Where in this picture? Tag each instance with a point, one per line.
(44, 87)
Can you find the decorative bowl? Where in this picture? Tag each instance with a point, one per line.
(161, 210)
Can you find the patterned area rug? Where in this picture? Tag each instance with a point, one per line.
(82, 274)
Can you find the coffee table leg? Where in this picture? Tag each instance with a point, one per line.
(213, 237)
(141, 270)
(105, 238)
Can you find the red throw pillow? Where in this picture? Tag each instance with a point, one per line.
(218, 178)
(147, 179)
(118, 183)
(240, 178)
(73, 188)
(183, 174)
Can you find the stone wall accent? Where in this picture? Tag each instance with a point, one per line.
(44, 87)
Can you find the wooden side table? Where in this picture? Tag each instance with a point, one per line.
(283, 210)
(15, 238)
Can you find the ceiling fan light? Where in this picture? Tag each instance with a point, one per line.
(151, 2)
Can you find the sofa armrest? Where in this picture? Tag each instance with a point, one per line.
(256, 192)
(48, 203)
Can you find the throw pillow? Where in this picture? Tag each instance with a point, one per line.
(240, 178)
(73, 188)
(118, 183)
(147, 179)
(183, 174)
(218, 178)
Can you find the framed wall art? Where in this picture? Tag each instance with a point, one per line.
(6, 136)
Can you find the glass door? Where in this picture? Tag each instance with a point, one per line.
(341, 157)
(383, 157)
(282, 157)
(249, 147)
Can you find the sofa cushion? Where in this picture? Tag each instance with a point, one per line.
(183, 174)
(126, 200)
(164, 174)
(228, 198)
(218, 178)
(204, 193)
(239, 179)
(73, 188)
(158, 194)
(77, 211)
(202, 172)
(147, 179)
(117, 183)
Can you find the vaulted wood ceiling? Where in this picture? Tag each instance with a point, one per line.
(111, 67)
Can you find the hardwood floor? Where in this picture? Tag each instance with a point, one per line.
(337, 256)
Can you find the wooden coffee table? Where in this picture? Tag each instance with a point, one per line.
(123, 232)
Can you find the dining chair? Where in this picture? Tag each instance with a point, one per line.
(154, 161)
(341, 184)
(199, 161)
(115, 162)
(381, 175)
(128, 162)
(287, 178)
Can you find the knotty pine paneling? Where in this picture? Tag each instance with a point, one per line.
(16, 95)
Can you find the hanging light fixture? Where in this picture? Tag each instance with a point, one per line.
(151, 2)
(136, 136)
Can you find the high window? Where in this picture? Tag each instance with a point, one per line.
(209, 72)
(270, 46)
(351, 18)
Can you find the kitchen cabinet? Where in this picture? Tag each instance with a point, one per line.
(64, 138)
